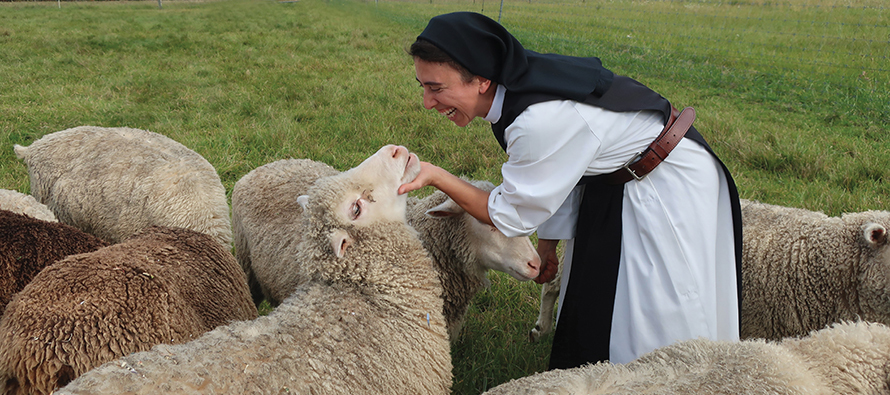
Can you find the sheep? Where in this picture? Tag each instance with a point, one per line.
(27, 245)
(163, 285)
(368, 321)
(21, 203)
(113, 182)
(846, 358)
(803, 270)
(463, 249)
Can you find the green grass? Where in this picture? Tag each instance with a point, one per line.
(793, 95)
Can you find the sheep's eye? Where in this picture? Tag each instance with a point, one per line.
(356, 209)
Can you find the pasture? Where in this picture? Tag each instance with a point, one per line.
(799, 119)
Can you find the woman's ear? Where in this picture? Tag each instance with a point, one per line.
(484, 84)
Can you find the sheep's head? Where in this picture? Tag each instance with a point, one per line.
(360, 197)
(487, 247)
(873, 267)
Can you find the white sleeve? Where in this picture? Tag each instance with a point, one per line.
(550, 146)
(561, 225)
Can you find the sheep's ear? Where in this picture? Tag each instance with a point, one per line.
(340, 241)
(448, 208)
(875, 234)
(303, 200)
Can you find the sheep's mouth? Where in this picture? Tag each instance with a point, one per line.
(412, 168)
(522, 276)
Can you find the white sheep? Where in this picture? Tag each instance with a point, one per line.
(847, 358)
(113, 182)
(369, 320)
(803, 270)
(21, 203)
(163, 285)
(463, 249)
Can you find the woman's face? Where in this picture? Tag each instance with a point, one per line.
(445, 91)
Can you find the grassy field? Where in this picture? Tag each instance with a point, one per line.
(801, 120)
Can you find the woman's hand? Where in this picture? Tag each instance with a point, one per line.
(549, 260)
(428, 172)
(470, 198)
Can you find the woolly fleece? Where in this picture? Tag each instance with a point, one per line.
(266, 234)
(803, 270)
(27, 245)
(165, 285)
(848, 358)
(21, 203)
(113, 182)
(368, 322)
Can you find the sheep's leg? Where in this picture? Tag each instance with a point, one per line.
(544, 324)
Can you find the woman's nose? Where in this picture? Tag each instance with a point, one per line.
(428, 101)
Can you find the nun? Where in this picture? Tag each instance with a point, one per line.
(650, 216)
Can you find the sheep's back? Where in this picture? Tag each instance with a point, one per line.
(326, 339)
(266, 223)
(164, 285)
(851, 356)
(697, 366)
(21, 203)
(803, 270)
(27, 245)
(113, 182)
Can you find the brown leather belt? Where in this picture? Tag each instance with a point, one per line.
(644, 162)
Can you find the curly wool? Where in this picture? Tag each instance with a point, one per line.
(847, 358)
(265, 221)
(804, 270)
(164, 285)
(447, 241)
(27, 245)
(266, 232)
(113, 182)
(369, 322)
(21, 203)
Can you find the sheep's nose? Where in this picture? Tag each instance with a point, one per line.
(534, 265)
(398, 151)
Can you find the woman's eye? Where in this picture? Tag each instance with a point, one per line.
(356, 209)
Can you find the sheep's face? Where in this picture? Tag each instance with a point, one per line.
(874, 272)
(489, 247)
(373, 196)
(364, 195)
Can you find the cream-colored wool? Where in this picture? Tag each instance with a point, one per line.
(368, 321)
(164, 285)
(266, 224)
(27, 245)
(846, 359)
(113, 182)
(803, 270)
(463, 249)
(21, 203)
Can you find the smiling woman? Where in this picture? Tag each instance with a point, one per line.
(449, 88)
(658, 255)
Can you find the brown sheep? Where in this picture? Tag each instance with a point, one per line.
(163, 285)
(27, 245)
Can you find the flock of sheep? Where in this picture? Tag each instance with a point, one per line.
(117, 276)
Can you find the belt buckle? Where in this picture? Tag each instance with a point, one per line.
(632, 160)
